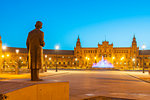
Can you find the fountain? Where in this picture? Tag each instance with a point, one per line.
(102, 64)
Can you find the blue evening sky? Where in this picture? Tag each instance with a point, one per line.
(64, 20)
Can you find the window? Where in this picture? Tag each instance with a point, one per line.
(105, 55)
(109, 55)
(68, 63)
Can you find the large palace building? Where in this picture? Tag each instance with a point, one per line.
(123, 58)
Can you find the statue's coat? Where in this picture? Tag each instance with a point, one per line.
(35, 42)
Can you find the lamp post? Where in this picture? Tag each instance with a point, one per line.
(122, 62)
(56, 48)
(133, 63)
(143, 47)
(88, 61)
(4, 49)
(50, 62)
(76, 62)
(16, 67)
(113, 60)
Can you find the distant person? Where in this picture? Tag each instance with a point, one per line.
(35, 42)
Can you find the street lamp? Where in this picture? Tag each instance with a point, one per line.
(20, 57)
(56, 48)
(133, 59)
(49, 62)
(4, 47)
(113, 58)
(122, 58)
(3, 56)
(17, 51)
(50, 58)
(122, 62)
(7, 55)
(17, 66)
(18, 61)
(143, 47)
(45, 56)
(133, 62)
(88, 62)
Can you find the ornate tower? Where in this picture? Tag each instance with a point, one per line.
(134, 43)
(78, 44)
(78, 51)
(134, 52)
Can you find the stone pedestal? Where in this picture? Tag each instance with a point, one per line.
(32, 90)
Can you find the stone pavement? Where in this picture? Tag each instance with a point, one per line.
(117, 84)
(139, 75)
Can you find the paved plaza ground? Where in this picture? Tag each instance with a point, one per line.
(86, 84)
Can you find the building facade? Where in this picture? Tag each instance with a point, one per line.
(123, 58)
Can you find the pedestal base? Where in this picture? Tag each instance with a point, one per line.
(34, 90)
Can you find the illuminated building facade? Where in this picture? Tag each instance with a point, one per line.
(125, 58)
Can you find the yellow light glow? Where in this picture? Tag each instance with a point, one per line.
(133, 59)
(113, 58)
(94, 57)
(143, 46)
(4, 47)
(57, 47)
(50, 58)
(122, 58)
(86, 57)
(7, 55)
(17, 51)
(20, 57)
(2, 56)
(76, 59)
(45, 56)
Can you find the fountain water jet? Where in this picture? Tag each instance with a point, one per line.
(102, 64)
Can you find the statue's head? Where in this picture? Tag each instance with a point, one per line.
(38, 25)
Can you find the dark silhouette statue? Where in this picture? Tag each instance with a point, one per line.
(35, 42)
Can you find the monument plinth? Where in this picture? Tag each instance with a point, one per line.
(34, 90)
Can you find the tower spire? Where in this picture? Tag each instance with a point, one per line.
(78, 38)
(134, 43)
(78, 42)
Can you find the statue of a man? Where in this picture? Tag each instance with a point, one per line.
(35, 42)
